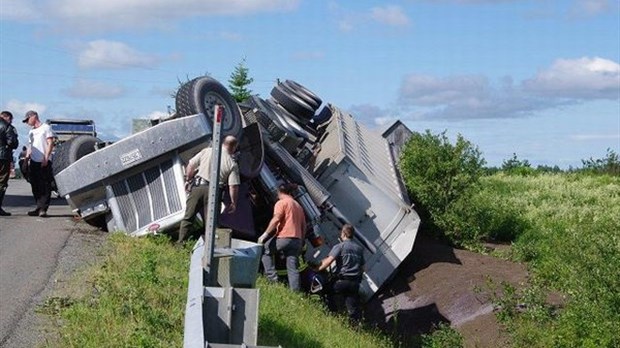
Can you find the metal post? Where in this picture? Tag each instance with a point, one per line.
(211, 210)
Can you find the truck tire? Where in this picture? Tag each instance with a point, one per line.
(72, 150)
(323, 116)
(304, 93)
(292, 103)
(275, 130)
(201, 94)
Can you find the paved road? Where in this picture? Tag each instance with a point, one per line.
(29, 250)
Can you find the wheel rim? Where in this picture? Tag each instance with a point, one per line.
(210, 101)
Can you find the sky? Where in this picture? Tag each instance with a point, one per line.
(535, 78)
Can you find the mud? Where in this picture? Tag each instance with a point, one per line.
(439, 284)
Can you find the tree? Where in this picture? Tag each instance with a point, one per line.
(517, 166)
(239, 80)
(610, 164)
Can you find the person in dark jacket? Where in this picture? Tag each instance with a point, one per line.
(349, 257)
(8, 143)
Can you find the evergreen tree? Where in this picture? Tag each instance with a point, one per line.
(239, 81)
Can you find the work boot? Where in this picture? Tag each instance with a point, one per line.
(34, 212)
(2, 212)
(43, 214)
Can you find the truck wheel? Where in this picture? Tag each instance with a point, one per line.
(201, 94)
(304, 93)
(323, 116)
(292, 103)
(72, 150)
(275, 130)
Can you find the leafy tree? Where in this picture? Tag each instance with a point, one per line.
(548, 169)
(517, 166)
(239, 81)
(437, 173)
(610, 164)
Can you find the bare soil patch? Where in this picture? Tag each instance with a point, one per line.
(439, 284)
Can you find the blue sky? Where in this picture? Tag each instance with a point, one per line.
(539, 78)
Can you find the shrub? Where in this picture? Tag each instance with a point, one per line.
(437, 173)
(610, 164)
(516, 166)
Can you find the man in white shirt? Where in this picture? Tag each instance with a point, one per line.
(41, 141)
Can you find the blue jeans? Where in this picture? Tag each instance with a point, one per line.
(290, 248)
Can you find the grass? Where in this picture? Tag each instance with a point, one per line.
(139, 295)
(569, 234)
(137, 299)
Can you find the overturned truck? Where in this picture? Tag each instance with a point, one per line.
(345, 174)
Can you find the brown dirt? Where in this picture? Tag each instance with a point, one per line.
(439, 284)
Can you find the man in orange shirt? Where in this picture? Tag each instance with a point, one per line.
(289, 224)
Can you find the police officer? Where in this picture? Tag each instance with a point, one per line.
(349, 257)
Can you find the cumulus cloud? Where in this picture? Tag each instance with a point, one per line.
(18, 10)
(372, 115)
(155, 115)
(390, 15)
(581, 8)
(583, 78)
(592, 137)
(18, 108)
(86, 89)
(90, 15)
(566, 81)
(104, 54)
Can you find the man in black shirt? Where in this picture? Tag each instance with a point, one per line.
(349, 258)
(8, 143)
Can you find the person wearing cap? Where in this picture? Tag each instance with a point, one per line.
(349, 257)
(196, 172)
(8, 143)
(41, 144)
(288, 224)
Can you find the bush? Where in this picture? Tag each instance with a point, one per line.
(483, 216)
(516, 166)
(437, 173)
(610, 164)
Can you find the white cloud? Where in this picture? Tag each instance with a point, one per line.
(590, 137)
(430, 90)
(94, 89)
(89, 16)
(581, 8)
(566, 81)
(583, 78)
(19, 10)
(372, 115)
(156, 115)
(104, 54)
(345, 25)
(18, 108)
(390, 15)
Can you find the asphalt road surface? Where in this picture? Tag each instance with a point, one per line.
(29, 252)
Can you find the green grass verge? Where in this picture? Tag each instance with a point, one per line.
(139, 295)
(138, 298)
(569, 234)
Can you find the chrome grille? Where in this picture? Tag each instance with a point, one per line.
(147, 196)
